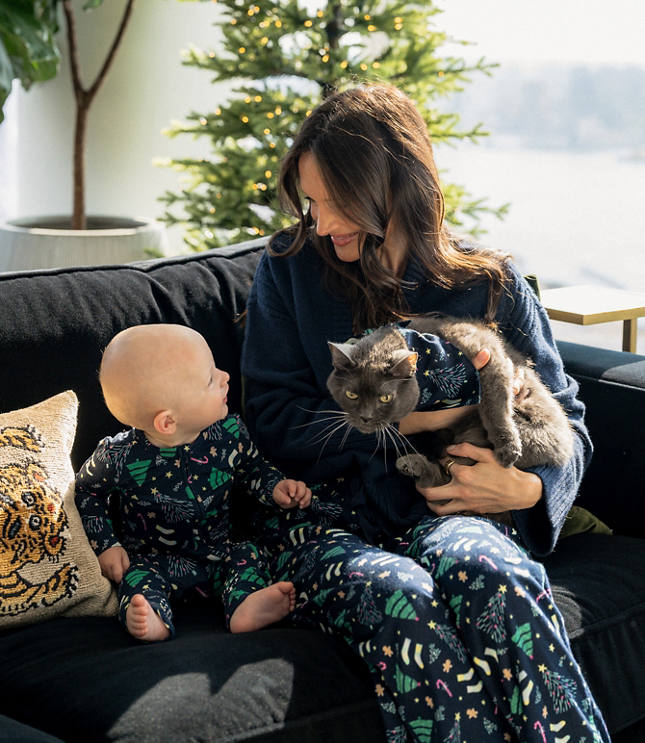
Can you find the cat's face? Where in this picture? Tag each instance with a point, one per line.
(374, 380)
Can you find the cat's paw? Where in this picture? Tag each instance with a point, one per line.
(507, 448)
(412, 465)
(427, 474)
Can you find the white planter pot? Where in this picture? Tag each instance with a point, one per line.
(47, 242)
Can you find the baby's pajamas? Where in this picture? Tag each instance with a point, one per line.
(171, 513)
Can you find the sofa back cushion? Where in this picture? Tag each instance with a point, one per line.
(55, 324)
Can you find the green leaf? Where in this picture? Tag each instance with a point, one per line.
(6, 78)
(28, 49)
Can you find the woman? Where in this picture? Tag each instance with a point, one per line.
(450, 612)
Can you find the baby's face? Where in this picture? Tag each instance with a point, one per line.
(205, 395)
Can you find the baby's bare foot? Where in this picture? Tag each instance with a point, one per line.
(143, 622)
(264, 607)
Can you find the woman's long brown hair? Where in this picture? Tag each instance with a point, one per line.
(374, 153)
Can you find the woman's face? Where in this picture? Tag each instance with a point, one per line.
(328, 219)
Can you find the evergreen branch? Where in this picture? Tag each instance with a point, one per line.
(285, 58)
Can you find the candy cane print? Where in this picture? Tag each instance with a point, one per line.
(544, 593)
(484, 558)
(538, 726)
(442, 685)
(204, 460)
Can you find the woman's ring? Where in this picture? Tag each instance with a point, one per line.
(448, 465)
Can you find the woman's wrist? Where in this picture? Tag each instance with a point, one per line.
(434, 420)
(529, 489)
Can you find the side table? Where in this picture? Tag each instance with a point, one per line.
(587, 305)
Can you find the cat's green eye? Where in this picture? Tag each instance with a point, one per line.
(386, 398)
(351, 395)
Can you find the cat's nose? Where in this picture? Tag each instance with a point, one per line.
(366, 418)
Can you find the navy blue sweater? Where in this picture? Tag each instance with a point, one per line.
(286, 362)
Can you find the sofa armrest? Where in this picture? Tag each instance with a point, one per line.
(612, 386)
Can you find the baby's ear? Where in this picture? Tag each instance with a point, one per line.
(342, 355)
(405, 363)
(164, 423)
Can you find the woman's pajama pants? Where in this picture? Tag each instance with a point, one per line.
(457, 626)
(233, 575)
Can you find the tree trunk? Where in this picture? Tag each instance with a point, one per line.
(84, 98)
(79, 220)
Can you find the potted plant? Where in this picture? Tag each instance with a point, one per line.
(29, 52)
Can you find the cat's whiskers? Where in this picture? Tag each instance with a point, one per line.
(388, 430)
(335, 414)
(338, 420)
(345, 435)
(328, 431)
(403, 440)
(383, 431)
(326, 439)
(379, 444)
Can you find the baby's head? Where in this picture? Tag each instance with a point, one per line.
(162, 379)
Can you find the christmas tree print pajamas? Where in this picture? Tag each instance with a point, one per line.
(452, 615)
(454, 619)
(174, 513)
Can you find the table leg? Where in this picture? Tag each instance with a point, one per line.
(630, 328)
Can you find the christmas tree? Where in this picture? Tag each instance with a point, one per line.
(491, 620)
(284, 58)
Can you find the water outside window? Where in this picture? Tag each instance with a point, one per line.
(566, 112)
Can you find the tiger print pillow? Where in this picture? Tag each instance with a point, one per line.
(47, 567)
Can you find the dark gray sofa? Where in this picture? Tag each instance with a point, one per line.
(84, 679)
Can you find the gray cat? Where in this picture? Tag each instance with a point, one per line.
(374, 382)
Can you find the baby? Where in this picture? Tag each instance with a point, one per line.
(173, 473)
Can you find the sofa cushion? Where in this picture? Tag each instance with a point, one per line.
(599, 586)
(93, 682)
(47, 566)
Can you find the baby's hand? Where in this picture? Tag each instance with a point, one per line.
(114, 562)
(292, 493)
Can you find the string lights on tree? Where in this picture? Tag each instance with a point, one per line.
(283, 58)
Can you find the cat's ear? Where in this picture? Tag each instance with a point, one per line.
(405, 363)
(341, 355)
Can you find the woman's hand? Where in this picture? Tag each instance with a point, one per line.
(484, 487)
(437, 419)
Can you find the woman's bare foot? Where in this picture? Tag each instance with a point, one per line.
(264, 607)
(143, 622)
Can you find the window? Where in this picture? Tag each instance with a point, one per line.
(566, 113)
